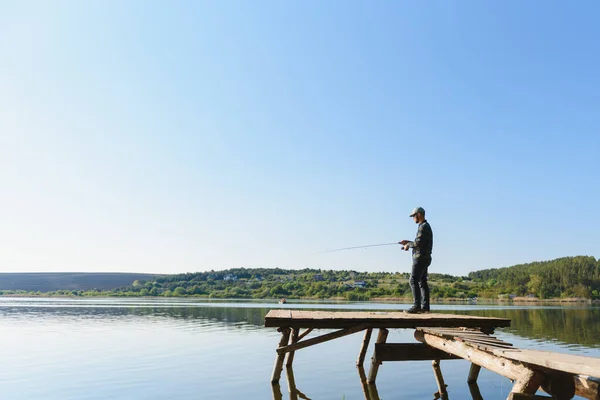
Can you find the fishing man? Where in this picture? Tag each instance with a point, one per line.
(421, 259)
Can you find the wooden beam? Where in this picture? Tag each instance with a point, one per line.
(587, 387)
(410, 352)
(560, 385)
(277, 391)
(475, 393)
(577, 365)
(529, 382)
(319, 339)
(473, 373)
(394, 319)
(439, 378)
(375, 362)
(293, 339)
(523, 396)
(306, 332)
(506, 368)
(364, 346)
(285, 336)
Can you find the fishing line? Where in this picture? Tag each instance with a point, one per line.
(358, 247)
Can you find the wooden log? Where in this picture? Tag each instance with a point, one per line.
(506, 368)
(439, 378)
(364, 346)
(529, 382)
(473, 373)
(381, 338)
(293, 339)
(410, 352)
(276, 391)
(319, 339)
(523, 396)
(559, 384)
(475, 393)
(587, 387)
(285, 336)
(573, 364)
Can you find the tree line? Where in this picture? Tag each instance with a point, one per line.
(564, 277)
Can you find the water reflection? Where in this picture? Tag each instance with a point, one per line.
(369, 389)
(575, 326)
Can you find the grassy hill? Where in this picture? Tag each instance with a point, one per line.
(561, 278)
(52, 281)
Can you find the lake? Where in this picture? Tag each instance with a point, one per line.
(201, 349)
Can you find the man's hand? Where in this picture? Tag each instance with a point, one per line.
(404, 242)
(406, 247)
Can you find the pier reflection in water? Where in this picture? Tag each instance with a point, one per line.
(369, 389)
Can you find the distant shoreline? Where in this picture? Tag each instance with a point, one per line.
(402, 300)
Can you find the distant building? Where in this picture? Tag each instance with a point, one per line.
(318, 277)
(230, 277)
(361, 284)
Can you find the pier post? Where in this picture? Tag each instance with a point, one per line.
(375, 362)
(439, 378)
(528, 382)
(473, 373)
(294, 339)
(285, 337)
(363, 348)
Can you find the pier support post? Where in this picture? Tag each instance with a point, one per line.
(375, 362)
(439, 378)
(285, 337)
(528, 382)
(294, 339)
(473, 373)
(363, 348)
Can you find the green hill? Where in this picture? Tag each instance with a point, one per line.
(561, 278)
(564, 277)
(52, 281)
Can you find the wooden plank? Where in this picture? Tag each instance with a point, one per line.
(410, 352)
(395, 319)
(486, 344)
(577, 365)
(319, 339)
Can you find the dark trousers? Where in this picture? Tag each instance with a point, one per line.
(418, 282)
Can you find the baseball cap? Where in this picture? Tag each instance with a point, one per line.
(416, 211)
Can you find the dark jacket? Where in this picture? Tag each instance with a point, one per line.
(422, 246)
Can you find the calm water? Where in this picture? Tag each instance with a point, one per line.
(171, 349)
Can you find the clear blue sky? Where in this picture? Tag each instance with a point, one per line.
(189, 136)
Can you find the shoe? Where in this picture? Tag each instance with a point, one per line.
(413, 310)
(425, 310)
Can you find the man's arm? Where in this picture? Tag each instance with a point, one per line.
(417, 241)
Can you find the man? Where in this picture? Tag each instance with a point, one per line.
(421, 257)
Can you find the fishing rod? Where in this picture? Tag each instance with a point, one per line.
(358, 247)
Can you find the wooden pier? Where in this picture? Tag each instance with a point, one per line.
(441, 337)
